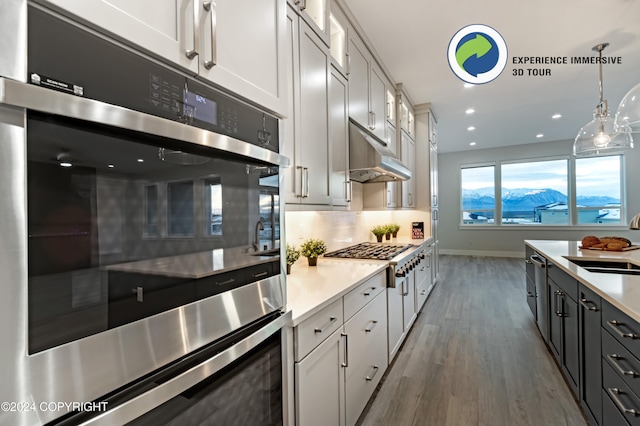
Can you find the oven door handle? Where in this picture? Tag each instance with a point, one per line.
(141, 404)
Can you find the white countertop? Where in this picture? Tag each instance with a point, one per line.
(311, 288)
(622, 291)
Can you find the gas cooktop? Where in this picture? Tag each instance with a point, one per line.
(381, 251)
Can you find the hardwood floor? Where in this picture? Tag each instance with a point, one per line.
(474, 357)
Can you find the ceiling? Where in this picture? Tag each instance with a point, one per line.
(411, 38)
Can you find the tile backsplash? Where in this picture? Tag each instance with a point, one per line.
(343, 228)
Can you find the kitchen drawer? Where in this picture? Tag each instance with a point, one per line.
(367, 331)
(622, 361)
(314, 330)
(422, 293)
(219, 283)
(363, 294)
(621, 395)
(622, 327)
(610, 413)
(565, 281)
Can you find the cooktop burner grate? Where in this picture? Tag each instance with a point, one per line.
(381, 251)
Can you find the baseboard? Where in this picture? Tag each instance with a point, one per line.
(483, 253)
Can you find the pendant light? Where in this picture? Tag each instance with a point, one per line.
(628, 115)
(599, 135)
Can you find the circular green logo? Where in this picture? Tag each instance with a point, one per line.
(477, 54)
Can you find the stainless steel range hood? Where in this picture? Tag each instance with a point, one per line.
(370, 160)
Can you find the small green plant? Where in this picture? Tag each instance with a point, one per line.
(379, 230)
(394, 228)
(313, 248)
(293, 254)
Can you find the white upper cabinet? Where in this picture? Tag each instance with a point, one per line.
(378, 102)
(408, 148)
(358, 69)
(338, 25)
(339, 139)
(239, 46)
(316, 14)
(306, 140)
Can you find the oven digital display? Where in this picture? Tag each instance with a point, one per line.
(200, 108)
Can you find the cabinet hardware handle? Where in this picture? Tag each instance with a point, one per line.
(320, 330)
(210, 6)
(261, 274)
(613, 358)
(306, 172)
(388, 110)
(584, 302)
(192, 53)
(139, 292)
(229, 281)
(528, 262)
(301, 181)
(375, 371)
(613, 393)
(303, 6)
(368, 293)
(536, 260)
(403, 292)
(529, 294)
(614, 326)
(423, 292)
(374, 120)
(348, 185)
(345, 364)
(348, 55)
(557, 294)
(368, 330)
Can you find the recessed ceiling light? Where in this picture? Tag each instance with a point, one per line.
(472, 143)
(556, 116)
(467, 85)
(470, 111)
(111, 166)
(65, 164)
(470, 128)
(539, 135)
(140, 160)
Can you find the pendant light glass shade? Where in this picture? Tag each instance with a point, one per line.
(628, 115)
(599, 137)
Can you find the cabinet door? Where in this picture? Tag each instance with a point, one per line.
(338, 128)
(164, 28)
(570, 348)
(378, 102)
(590, 357)
(246, 53)
(391, 138)
(409, 301)
(408, 152)
(555, 321)
(395, 326)
(313, 152)
(358, 68)
(433, 173)
(292, 176)
(320, 384)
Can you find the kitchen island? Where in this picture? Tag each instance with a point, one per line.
(588, 315)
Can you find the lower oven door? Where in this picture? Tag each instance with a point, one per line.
(241, 384)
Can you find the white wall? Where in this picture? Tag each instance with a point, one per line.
(508, 240)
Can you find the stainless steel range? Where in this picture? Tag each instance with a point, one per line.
(380, 251)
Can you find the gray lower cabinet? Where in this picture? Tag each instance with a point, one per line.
(620, 367)
(589, 317)
(563, 325)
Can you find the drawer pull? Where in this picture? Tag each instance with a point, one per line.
(375, 371)
(320, 330)
(614, 326)
(613, 358)
(368, 293)
(368, 330)
(261, 274)
(613, 393)
(139, 292)
(593, 308)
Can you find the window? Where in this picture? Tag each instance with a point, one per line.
(151, 211)
(535, 192)
(213, 206)
(598, 189)
(180, 209)
(478, 194)
(555, 192)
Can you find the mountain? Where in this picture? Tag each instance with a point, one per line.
(522, 199)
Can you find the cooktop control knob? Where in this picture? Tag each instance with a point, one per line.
(401, 273)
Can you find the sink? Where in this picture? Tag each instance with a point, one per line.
(608, 266)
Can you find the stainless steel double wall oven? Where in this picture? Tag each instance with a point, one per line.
(140, 270)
